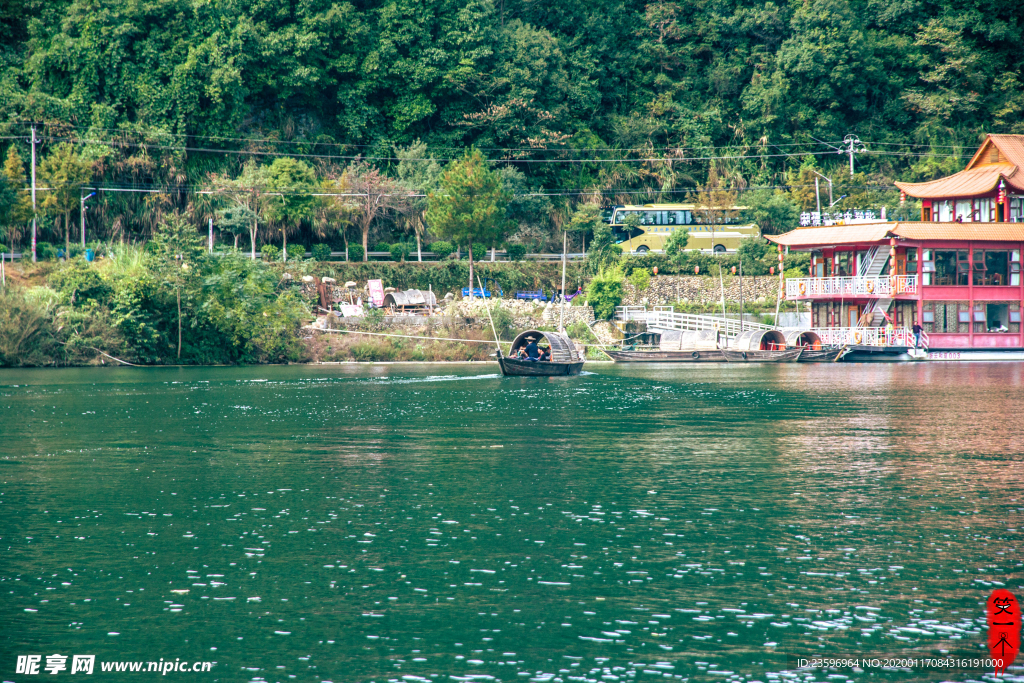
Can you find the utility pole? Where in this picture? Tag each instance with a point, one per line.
(817, 195)
(853, 144)
(82, 213)
(211, 236)
(33, 194)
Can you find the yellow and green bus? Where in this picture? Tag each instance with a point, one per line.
(659, 221)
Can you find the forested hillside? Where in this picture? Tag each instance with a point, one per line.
(577, 98)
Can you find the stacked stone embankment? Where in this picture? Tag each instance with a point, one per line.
(701, 290)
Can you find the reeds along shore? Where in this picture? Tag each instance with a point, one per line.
(328, 347)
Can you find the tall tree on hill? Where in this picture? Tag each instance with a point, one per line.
(20, 213)
(179, 254)
(418, 173)
(335, 210)
(291, 184)
(715, 204)
(246, 197)
(469, 206)
(64, 172)
(373, 196)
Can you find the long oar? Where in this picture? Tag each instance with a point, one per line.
(488, 307)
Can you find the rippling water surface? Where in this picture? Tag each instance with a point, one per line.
(396, 524)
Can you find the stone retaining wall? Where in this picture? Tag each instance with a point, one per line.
(702, 290)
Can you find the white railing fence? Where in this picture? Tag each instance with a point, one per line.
(883, 285)
(664, 318)
(868, 336)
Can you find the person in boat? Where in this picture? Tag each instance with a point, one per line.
(532, 350)
(545, 354)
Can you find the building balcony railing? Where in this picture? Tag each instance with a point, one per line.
(834, 287)
(869, 336)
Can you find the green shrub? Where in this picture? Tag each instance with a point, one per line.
(322, 252)
(296, 252)
(640, 278)
(355, 252)
(270, 252)
(78, 282)
(382, 246)
(399, 251)
(75, 250)
(605, 292)
(581, 331)
(479, 251)
(442, 249)
(45, 251)
(516, 252)
(676, 242)
(3, 249)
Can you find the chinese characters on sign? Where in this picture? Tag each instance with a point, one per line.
(809, 218)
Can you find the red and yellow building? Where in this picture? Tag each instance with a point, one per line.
(957, 272)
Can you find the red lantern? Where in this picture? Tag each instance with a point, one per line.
(655, 270)
(772, 270)
(903, 197)
(696, 270)
(734, 270)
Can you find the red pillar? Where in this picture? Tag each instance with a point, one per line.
(970, 294)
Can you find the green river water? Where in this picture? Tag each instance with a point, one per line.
(399, 523)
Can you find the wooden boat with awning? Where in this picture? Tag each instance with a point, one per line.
(761, 346)
(676, 346)
(565, 359)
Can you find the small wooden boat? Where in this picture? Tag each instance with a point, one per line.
(565, 360)
(662, 356)
(823, 355)
(759, 356)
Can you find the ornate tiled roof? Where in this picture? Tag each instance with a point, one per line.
(1000, 156)
(878, 232)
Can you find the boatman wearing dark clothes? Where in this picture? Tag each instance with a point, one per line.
(532, 352)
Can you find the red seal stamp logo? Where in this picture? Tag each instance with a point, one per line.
(1004, 620)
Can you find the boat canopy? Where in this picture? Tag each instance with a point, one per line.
(803, 338)
(410, 298)
(685, 340)
(759, 340)
(562, 348)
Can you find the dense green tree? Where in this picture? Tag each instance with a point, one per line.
(774, 212)
(247, 198)
(469, 206)
(179, 258)
(290, 186)
(19, 211)
(64, 172)
(418, 173)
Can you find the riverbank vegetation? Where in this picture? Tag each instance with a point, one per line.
(170, 302)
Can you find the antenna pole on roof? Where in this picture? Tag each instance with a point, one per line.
(488, 307)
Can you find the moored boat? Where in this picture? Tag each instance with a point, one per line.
(676, 346)
(759, 356)
(662, 356)
(823, 355)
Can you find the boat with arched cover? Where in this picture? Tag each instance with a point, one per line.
(564, 358)
(761, 346)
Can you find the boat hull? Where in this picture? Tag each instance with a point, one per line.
(786, 356)
(512, 367)
(708, 356)
(820, 355)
